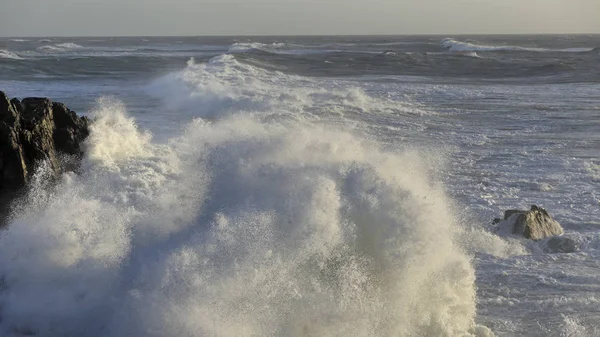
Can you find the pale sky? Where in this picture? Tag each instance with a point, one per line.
(295, 17)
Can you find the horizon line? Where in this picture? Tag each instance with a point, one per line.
(301, 35)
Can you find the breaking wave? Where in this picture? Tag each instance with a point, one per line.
(249, 46)
(60, 47)
(242, 224)
(460, 46)
(5, 54)
(224, 86)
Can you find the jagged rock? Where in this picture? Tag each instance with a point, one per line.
(535, 224)
(33, 130)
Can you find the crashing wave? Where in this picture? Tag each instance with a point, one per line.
(225, 86)
(243, 224)
(237, 228)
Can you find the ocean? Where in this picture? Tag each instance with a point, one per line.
(308, 186)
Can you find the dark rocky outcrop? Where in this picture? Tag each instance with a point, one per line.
(535, 224)
(34, 130)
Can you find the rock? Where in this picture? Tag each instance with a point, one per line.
(560, 244)
(33, 130)
(535, 224)
(70, 131)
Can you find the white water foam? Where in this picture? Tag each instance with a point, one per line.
(5, 54)
(244, 47)
(293, 49)
(239, 226)
(60, 47)
(460, 46)
(225, 86)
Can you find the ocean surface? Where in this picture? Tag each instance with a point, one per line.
(309, 186)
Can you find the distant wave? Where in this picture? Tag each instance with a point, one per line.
(18, 40)
(290, 49)
(61, 47)
(69, 45)
(395, 43)
(274, 48)
(183, 48)
(246, 47)
(460, 46)
(5, 54)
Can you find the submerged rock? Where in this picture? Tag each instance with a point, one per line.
(535, 224)
(33, 130)
(560, 244)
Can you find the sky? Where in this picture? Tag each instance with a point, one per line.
(295, 17)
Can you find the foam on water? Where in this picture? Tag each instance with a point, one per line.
(60, 47)
(241, 225)
(244, 47)
(225, 86)
(5, 54)
(461, 46)
(281, 48)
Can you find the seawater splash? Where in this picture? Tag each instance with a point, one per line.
(236, 227)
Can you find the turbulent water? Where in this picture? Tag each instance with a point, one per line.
(308, 186)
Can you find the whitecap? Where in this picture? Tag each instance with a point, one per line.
(5, 54)
(244, 47)
(60, 47)
(461, 46)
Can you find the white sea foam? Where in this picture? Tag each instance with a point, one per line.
(460, 46)
(293, 49)
(69, 45)
(239, 226)
(5, 54)
(471, 54)
(244, 47)
(225, 86)
(60, 47)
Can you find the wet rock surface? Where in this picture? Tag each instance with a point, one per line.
(32, 131)
(535, 224)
